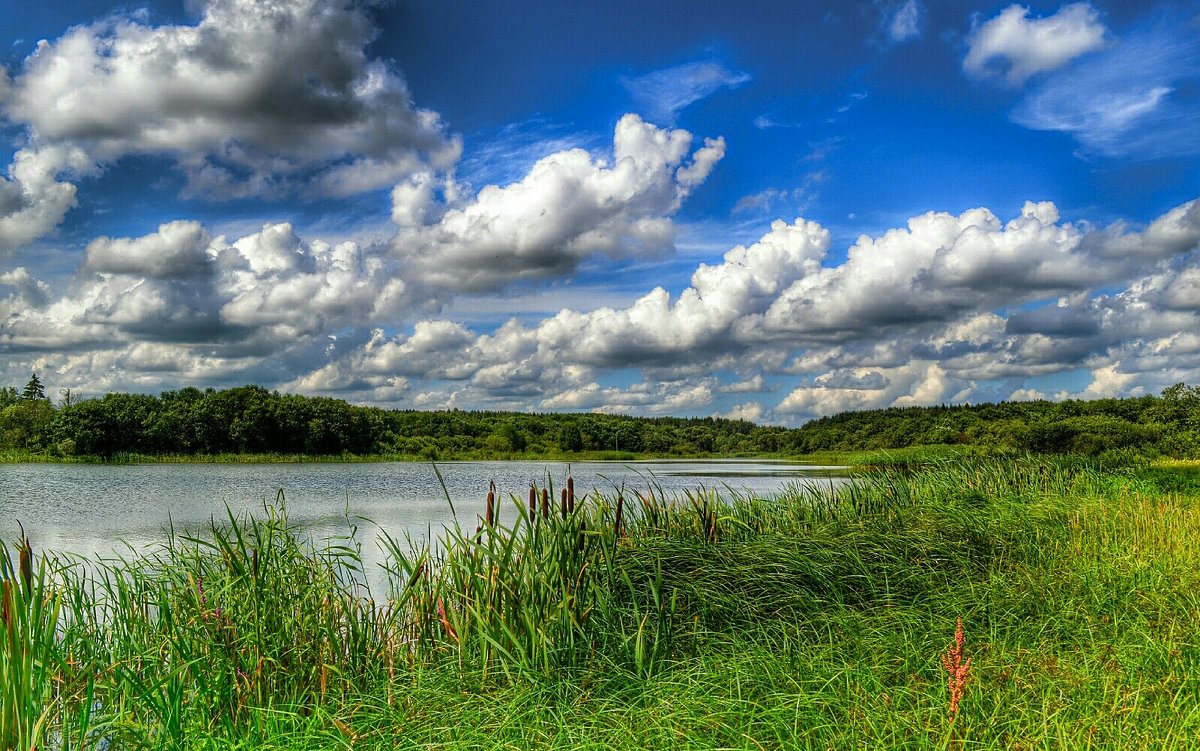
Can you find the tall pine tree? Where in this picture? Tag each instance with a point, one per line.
(33, 389)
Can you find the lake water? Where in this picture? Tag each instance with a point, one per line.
(93, 509)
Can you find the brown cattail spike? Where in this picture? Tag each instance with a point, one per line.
(620, 509)
(570, 494)
(26, 562)
(545, 503)
(254, 563)
(490, 513)
(563, 504)
(532, 500)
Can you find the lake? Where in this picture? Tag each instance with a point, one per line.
(92, 509)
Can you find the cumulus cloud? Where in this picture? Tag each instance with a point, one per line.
(945, 266)
(1017, 46)
(947, 308)
(748, 411)
(259, 98)
(662, 94)
(33, 200)
(265, 292)
(913, 384)
(178, 249)
(570, 206)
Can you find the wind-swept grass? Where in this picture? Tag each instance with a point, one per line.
(815, 619)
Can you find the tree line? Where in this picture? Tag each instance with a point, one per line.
(1166, 425)
(254, 420)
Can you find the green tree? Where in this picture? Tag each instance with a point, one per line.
(33, 389)
(570, 438)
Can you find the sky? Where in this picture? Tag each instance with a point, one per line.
(651, 208)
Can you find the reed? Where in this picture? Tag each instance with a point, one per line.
(29, 651)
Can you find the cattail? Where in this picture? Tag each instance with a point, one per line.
(532, 501)
(620, 509)
(545, 503)
(563, 504)
(254, 562)
(570, 494)
(582, 529)
(490, 513)
(26, 561)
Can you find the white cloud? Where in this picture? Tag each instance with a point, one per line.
(748, 411)
(944, 266)
(905, 23)
(754, 385)
(1019, 47)
(259, 98)
(33, 201)
(569, 207)
(662, 94)
(178, 249)
(919, 383)
(943, 309)
(1124, 101)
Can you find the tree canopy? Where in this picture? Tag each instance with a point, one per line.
(254, 420)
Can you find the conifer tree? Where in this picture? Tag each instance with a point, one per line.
(33, 389)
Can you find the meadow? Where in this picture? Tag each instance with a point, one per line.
(959, 603)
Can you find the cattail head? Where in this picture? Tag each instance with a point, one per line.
(26, 562)
(490, 511)
(545, 503)
(620, 510)
(563, 504)
(570, 494)
(532, 500)
(5, 597)
(254, 563)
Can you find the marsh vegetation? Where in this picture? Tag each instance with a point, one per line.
(819, 618)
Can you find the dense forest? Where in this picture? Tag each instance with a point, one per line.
(254, 420)
(1167, 425)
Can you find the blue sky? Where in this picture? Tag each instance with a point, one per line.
(654, 208)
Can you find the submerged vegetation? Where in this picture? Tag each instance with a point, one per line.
(826, 617)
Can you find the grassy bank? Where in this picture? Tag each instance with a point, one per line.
(819, 619)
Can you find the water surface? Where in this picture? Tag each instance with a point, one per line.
(92, 510)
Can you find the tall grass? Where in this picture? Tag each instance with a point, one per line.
(813, 619)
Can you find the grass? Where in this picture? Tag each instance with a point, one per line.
(817, 619)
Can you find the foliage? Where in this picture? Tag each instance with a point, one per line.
(33, 389)
(250, 420)
(253, 420)
(1107, 428)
